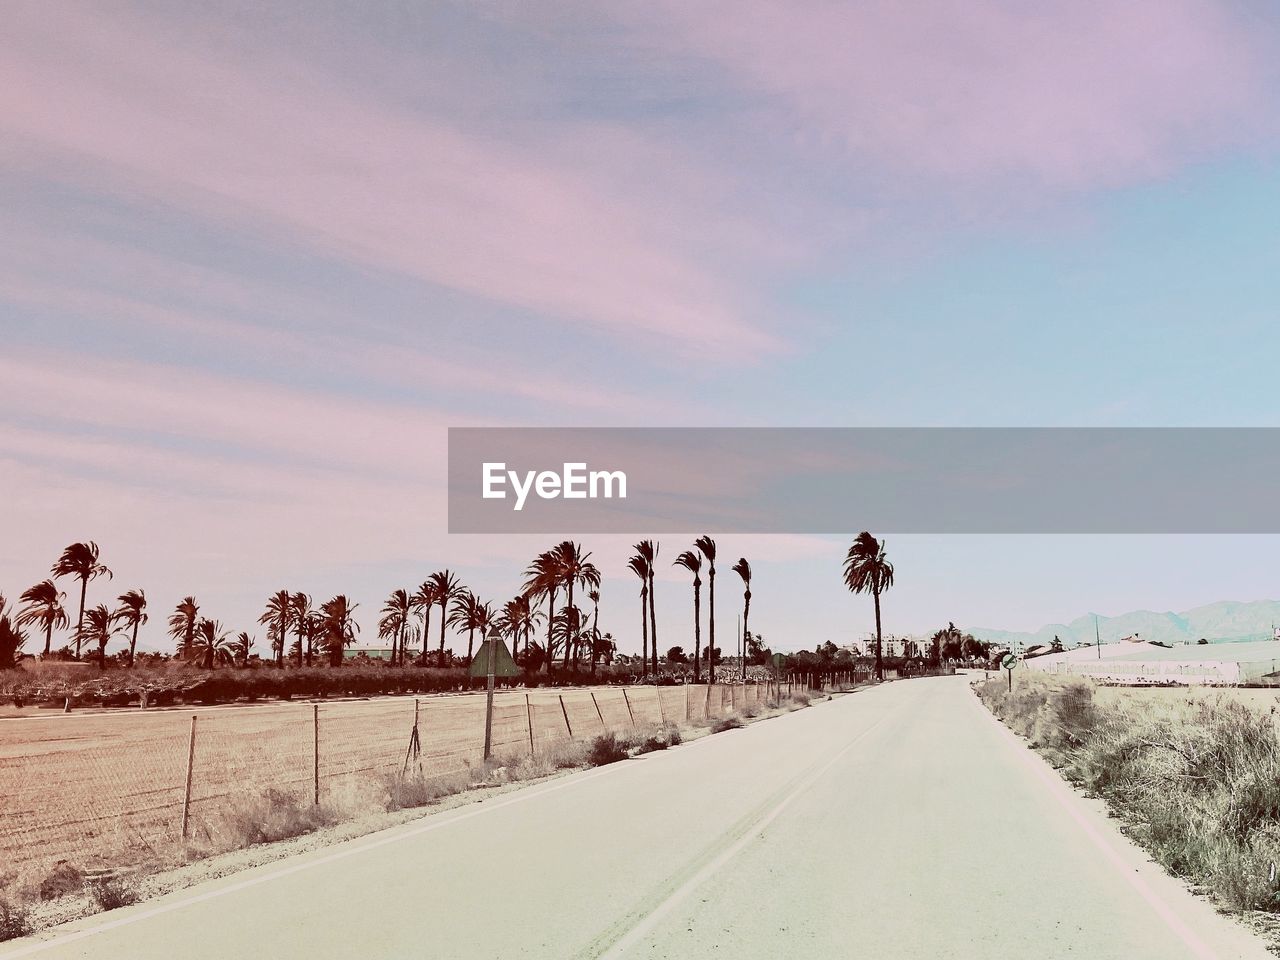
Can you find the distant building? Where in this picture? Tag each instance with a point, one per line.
(372, 653)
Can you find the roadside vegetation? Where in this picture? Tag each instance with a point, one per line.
(1196, 781)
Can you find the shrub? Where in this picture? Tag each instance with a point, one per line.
(62, 879)
(14, 921)
(725, 723)
(111, 893)
(606, 748)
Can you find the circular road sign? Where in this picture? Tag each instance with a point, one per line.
(1008, 661)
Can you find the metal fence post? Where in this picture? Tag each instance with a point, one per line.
(528, 711)
(662, 713)
(627, 700)
(706, 710)
(191, 759)
(598, 713)
(688, 702)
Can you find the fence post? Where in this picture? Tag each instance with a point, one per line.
(528, 712)
(598, 713)
(706, 710)
(191, 759)
(662, 713)
(315, 753)
(627, 700)
(566, 717)
(688, 712)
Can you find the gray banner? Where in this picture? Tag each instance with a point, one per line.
(841, 480)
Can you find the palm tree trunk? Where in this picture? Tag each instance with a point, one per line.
(595, 637)
(551, 619)
(644, 631)
(711, 626)
(471, 637)
(302, 658)
(697, 628)
(879, 666)
(653, 626)
(426, 629)
(443, 618)
(48, 637)
(84, 586)
(133, 643)
(571, 630)
(746, 613)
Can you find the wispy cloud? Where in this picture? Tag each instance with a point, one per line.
(278, 147)
(1077, 96)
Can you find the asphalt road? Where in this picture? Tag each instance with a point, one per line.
(899, 821)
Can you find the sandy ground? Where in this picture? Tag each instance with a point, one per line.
(107, 788)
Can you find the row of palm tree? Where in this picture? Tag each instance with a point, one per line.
(565, 570)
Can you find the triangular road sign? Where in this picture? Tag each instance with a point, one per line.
(503, 665)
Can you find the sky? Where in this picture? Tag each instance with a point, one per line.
(256, 258)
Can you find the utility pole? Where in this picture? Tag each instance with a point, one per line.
(1097, 637)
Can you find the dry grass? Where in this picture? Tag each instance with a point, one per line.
(1197, 779)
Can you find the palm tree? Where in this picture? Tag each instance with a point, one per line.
(12, 638)
(44, 607)
(243, 644)
(470, 614)
(743, 569)
(396, 613)
(594, 597)
(575, 569)
(133, 614)
(543, 579)
(99, 628)
(693, 563)
(182, 625)
(423, 599)
(566, 630)
(517, 619)
(277, 618)
(213, 643)
(446, 586)
(80, 560)
(866, 570)
(314, 628)
(299, 612)
(339, 630)
(707, 546)
(649, 550)
(640, 567)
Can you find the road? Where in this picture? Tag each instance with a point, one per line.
(899, 821)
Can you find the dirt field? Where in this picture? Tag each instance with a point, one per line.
(105, 788)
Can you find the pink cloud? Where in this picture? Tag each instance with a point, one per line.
(272, 145)
(1079, 95)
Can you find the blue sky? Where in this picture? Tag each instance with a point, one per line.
(258, 259)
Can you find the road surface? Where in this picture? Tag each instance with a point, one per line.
(899, 821)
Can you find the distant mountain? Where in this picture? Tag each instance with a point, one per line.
(1216, 622)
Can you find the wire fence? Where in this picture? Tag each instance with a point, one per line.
(109, 789)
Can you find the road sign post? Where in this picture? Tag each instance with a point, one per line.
(1009, 661)
(488, 707)
(494, 661)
